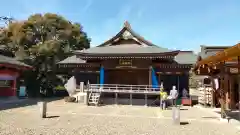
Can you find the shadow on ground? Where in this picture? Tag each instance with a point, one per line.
(25, 102)
(51, 117)
(184, 123)
(232, 114)
(183, 109)
(207, 117)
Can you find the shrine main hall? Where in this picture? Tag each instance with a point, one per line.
(129, 59)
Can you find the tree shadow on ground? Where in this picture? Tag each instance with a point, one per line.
(25, 102)
(231, 114)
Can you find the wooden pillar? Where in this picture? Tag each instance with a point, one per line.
(222, 91)
(131, 98)
(239, 85)
(150, 82)
(146, 102)
(14, 87)
(116, 98)
(178, 84)
(213, 99)
(226, 90)
(150, 75)
(239, 94)
(213, 92)
(232, 92)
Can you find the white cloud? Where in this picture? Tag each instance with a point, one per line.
(87, 6)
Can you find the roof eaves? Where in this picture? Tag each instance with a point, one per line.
(72, 60)
(174, 53)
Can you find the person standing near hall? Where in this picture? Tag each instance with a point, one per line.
(174, 95)
(163, 98)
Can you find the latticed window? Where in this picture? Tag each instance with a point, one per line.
(5, 83)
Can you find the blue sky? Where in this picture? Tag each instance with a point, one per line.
(174, 24)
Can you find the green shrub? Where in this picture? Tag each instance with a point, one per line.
(59, 88)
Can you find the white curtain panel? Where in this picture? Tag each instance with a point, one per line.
(71, 86)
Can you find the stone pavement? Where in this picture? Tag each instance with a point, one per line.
(234, 119)
(11, 100)
(72, 118)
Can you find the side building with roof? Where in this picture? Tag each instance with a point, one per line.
(224, 73)
(10, 70)
(128, 58)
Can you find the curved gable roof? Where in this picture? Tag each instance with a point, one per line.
(13, 62)
(127, 28)
(117, 44)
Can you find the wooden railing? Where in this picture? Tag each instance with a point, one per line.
(121, 88)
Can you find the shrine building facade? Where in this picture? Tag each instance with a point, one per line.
(128, 58)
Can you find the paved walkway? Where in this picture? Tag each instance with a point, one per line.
(72, 118)
(233, 115)
(11, 100)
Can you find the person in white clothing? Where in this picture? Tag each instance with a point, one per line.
(173, 95)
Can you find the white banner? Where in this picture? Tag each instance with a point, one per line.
(71, 85)
(216, 82)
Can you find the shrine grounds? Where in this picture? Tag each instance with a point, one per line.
(73, 118)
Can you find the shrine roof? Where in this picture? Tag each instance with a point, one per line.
(12, 61)
(128, 43)
(124, 49)
(124, 42)
(186, 57)
(183, 57)
(207, 51)
(72, 60)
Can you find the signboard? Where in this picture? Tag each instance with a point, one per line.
(125, 62)
(233, 70)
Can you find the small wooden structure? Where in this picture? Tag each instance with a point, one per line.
(224, 69)
(10, 70)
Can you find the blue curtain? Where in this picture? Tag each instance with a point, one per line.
(154, 80)
(22, 91)
(101, 75)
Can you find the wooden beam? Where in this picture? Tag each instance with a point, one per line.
(238, 85)
(221, 56)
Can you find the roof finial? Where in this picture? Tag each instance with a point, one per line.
(126, 24)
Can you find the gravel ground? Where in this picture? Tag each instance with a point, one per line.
(72, 118)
